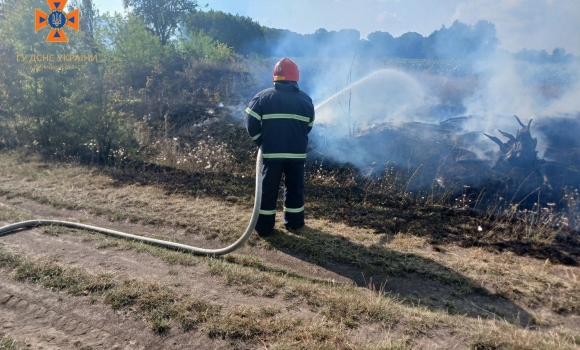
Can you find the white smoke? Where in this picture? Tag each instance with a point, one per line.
(384, 96)
(503, 87)
(501, 90)
(510, 87)
(356, 95)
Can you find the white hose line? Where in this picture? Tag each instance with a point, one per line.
(183, 247)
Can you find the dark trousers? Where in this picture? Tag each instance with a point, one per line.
(293, 194)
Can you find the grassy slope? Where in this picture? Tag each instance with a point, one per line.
(422, 291)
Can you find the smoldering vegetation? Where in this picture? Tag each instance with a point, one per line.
(497, 128)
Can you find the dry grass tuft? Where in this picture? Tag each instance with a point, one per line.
(501, 335)
(7, 343)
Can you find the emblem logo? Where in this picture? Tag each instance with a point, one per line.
(56, 20)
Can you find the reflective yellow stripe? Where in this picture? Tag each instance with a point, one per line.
(286, 116)
(253, 114)
(256, 137)
(267, 212)
(294, 210)
(284, 155)
(311, 124)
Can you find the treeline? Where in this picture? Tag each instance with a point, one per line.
(460, 41)
(558, 55)
(457, 42)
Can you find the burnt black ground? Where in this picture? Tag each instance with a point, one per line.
(441, 224)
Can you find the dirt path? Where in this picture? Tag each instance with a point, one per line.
(42, 319)
(53, 320)
(45, 319)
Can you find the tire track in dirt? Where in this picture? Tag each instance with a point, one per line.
(31, 316)
(42, 319)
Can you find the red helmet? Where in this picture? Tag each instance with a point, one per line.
(285, 69)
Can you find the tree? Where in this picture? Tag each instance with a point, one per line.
(241, 33)
(559, 55)
(200, 46)
(130, 50)
(486, 37)
(35, 94)
(321, 32)
(462, 41)
(343, 43)
(89, 17)
(283, 42)
(89, 22)
(410, 45)
(161, 16)
(382, 44)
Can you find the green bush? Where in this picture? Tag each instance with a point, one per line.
(200, 46)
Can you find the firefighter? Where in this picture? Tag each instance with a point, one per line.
(279, 119)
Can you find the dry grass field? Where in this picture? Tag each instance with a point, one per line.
(436, 278)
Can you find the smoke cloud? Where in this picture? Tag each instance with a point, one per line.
(354, 100)
(426, 114)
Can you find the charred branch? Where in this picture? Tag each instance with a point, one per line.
(502, 147)
(507, 135)
(520, 122)
(520, 150)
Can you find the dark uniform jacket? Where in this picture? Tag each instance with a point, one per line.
(279, 119)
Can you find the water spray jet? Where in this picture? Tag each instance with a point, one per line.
(384, 95)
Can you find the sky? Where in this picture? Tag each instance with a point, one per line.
(531, 24)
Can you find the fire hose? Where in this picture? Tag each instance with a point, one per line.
(166, 244)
